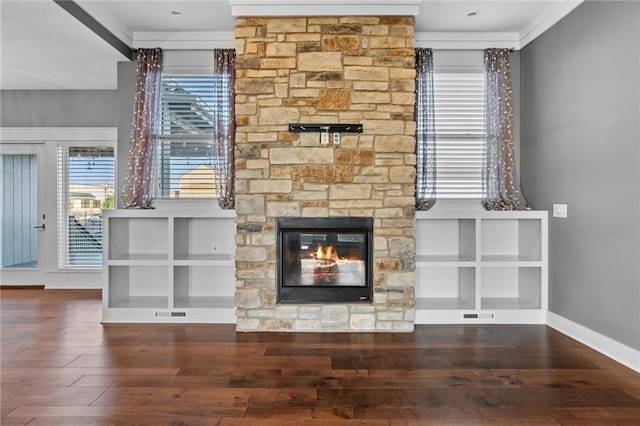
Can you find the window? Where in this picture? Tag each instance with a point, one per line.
(460, 129)
(185, 135)
(85, 190)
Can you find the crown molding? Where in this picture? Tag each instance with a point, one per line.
(546, 20)
(325, 8)
(193, 40)
(467, 40)
(48, 134)
(512, 40)
(184, 40)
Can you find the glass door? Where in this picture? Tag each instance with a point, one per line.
(23, 221)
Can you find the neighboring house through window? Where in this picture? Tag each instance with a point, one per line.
(185, 136)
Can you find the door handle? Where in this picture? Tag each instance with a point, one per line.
(39, 227)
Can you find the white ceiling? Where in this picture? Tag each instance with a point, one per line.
(44, 47)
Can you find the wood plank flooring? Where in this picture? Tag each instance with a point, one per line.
(61, 366)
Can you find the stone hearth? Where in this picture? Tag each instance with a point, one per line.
(325, 70)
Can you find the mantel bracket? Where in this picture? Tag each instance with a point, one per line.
(325, 127)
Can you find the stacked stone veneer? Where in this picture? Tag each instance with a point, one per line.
(325, 70)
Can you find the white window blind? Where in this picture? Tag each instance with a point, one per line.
(460, 129)
(85, 190)
(186, 131)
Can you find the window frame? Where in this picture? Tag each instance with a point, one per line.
(460, 60)
(469, 138)
(63, 201)
(165, 181)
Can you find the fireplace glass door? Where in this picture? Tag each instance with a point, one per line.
(324, 259)
(327, 258)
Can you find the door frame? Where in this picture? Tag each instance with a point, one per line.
(49, 138)
(31, 275)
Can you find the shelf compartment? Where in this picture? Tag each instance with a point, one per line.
(203, 286)
(205, 259)
(511, 288)
(511, 240)
(446, 240)
(205, 302)
(443, 260)
(445, 288)
(510, 259)
(194, 238)
(138, 287)
(144, 239)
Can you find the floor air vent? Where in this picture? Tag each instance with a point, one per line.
(170, 314)
(477, 316)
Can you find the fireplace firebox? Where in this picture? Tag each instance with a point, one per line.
(324, 260)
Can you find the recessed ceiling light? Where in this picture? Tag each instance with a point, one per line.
(175, 13)
(472, 13)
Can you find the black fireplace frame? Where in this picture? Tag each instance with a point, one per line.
(304, 294)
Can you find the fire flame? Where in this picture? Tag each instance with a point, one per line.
(327, 254)
(322, 265)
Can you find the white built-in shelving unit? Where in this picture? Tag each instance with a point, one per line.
(471, 267)
(481, 267)
(167, 266)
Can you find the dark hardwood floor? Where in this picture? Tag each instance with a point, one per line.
(61, 366)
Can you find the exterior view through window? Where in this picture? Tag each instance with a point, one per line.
(85, 191)
(460, 129)
(187, 159)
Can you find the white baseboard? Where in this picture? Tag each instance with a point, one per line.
(70, 279)
(615, 350)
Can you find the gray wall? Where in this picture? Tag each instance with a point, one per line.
(580, 145)
(126, 94)
(514, 58)
(58, 108)
(77, 108)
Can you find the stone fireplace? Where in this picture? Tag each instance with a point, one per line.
(348, 69)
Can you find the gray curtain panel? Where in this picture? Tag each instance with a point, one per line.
(225, 126)
(500, 185)
(138, 186)
(425, 130)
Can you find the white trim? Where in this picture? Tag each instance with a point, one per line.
(184, 40)
(325, 8)
(49, 138)
(62, 201)
(615, 350)
(467, 40)
(509, 40)
(210, 205)
(56, 134)
(196, 40)
(453, 204)
(187, 62)
(546, 20)
(72, 279)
